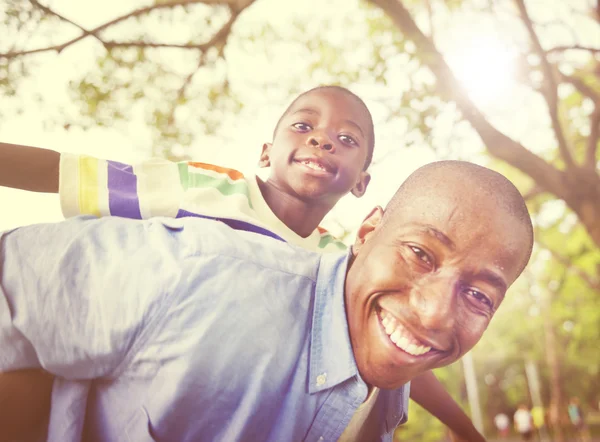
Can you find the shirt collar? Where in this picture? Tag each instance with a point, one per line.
(331, 357)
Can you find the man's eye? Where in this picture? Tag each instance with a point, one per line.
(302, 127)
(480, 298)
(422, 255)
(347, 139)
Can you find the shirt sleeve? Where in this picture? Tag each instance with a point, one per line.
(80, 297)
(92, 186)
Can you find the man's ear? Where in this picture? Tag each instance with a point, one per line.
(360, 187)
(367, 228)
(265, 161)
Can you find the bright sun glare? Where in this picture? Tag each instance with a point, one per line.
(484, 66)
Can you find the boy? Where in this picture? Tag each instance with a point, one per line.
(322, 146)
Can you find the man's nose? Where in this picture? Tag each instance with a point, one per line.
(435, 303)
(321, 141)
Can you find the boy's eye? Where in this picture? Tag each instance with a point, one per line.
(422, 255)
(302, 127)
(347, 139)
(479, 298)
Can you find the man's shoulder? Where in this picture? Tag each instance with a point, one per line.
(246, 242)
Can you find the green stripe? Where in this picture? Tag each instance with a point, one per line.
(328, 239)
(223, 185)
(183, 174)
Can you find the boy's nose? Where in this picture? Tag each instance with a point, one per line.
(321, 142)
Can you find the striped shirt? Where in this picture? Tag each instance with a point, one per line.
(92, 186)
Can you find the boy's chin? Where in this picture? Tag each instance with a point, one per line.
(317, 195)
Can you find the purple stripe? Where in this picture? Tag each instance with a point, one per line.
(233, 223)
(122, 191)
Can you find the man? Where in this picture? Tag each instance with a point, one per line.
(191, 331)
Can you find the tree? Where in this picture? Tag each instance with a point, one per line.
(574, 177)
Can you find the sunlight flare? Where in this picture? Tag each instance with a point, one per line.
(484, 66)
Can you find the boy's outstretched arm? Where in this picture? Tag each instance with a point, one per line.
(428, 392)
(24, 403)
(29, 168)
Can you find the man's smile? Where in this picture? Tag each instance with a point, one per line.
(400, 336)
(404, 345)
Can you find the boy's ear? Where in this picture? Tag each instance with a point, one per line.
(265, 161)
(367, 228)
(360, 187)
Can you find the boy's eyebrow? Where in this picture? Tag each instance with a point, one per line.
(309, 110)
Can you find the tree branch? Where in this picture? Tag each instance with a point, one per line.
(497, 143)
(533, 192)
(49, 11)
(218, 40)
(592, 283)
(581, 86)
(592, 142)
(235, 5)
(550, 91)
(573, 48)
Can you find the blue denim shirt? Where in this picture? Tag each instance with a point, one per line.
(182, 330)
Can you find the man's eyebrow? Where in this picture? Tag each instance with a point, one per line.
(493, 279)
(441, 237)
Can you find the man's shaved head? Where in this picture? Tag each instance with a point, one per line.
(429, 272)
(465, 180)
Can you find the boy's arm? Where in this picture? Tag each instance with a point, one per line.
(24, 403)
(428, 392)
(94, 186)
(29, 168)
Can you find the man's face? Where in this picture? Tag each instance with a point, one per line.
(425, 284)
(320, 147)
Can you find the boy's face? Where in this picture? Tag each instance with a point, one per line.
(425, 284)
(320, 148)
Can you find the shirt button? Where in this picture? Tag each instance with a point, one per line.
(321, 379)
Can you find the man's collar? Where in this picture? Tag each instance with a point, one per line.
(331, 357)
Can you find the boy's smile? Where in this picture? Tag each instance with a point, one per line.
(318, 165)
(320, 148)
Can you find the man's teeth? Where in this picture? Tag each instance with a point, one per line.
(401, 337)
(313, 165)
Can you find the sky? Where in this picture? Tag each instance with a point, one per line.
(477, 50)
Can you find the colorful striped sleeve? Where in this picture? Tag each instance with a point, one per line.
(91, 186)
(328, 242)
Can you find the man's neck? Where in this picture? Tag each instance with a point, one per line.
(300, 216)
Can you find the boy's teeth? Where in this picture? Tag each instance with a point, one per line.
(402, 337)
(313, 165)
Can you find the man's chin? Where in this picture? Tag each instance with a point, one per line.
(386, 382)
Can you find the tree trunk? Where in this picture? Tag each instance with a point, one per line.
(556, 395)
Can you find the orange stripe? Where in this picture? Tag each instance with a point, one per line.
(231, 173)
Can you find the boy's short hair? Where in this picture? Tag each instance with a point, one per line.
(370, 129)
